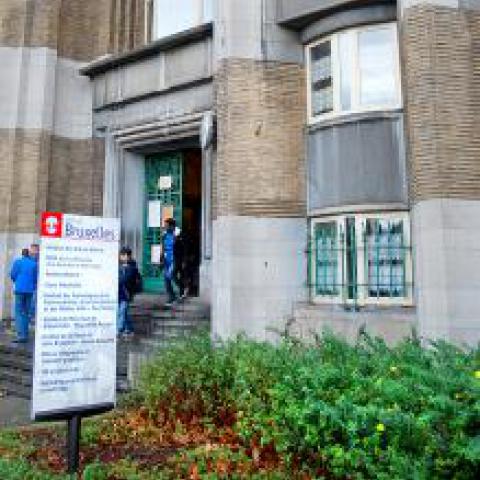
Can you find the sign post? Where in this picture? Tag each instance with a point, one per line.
(74, 371)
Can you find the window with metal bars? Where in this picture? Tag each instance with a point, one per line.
(361, 259)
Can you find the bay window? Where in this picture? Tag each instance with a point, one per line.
(361, 259)
(173, 16)
(354, 70)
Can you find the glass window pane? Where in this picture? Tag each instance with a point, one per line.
(172, 16)
(345, 45)
(326, 259)
(386, 253)
(377, 63)
(321, 78)
(207, 10)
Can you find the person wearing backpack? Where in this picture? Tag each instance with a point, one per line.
(129, 284)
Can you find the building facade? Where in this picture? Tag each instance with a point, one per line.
(322, 156)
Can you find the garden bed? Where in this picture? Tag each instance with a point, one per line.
(253, 410)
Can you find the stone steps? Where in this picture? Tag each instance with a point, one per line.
(155, 327)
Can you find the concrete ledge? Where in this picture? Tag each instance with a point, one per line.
(191, 35)
(392, 324)
(349, 18)
(299, 14)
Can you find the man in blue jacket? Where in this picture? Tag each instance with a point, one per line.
(172, 260)
(24, 277)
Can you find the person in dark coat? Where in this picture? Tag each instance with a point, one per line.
(24, 276)
(128, 277)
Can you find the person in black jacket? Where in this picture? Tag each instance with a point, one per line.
(128, 278)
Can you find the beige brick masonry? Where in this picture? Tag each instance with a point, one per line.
(260, 167)
(441, 64)
(40, 171)
(79, 29)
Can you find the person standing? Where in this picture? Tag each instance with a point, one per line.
(128, 281)
(34, 253)
(24, 276)
(172, 259)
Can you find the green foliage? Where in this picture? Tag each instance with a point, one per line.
(22, 470)
(364, 411)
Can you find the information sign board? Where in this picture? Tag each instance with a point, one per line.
(77, 301)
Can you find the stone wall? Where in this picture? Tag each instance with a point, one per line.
(48, 158)
(440, 42)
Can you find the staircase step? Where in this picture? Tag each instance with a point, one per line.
(16, 390)
(15, 361)
(156, 326)
(18, 376)
(180, 323)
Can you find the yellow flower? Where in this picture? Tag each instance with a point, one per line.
(477, 374)
(380, 427)
(393, 369)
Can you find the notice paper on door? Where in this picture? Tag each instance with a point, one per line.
(156, 255)
(154, 214)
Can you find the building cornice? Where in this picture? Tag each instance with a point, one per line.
(111, 62)
(298, 15)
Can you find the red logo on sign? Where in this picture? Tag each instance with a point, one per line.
(52, 224)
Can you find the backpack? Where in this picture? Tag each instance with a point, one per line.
(137, 282)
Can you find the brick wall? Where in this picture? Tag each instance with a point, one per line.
(441, 64)
(25, 158)
(76, 185)
(80, 30)
(260, 165)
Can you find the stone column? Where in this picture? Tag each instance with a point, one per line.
(259, 227)
(440, 42)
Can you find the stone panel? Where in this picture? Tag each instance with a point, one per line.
(447, 266)
(260, 168)
(441, 63)
(258, 273)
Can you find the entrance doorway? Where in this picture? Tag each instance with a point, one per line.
(173, 188)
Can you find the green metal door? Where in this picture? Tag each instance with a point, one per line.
(163, 188)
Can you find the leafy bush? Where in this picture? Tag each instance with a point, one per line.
(355, 411)
(22, 470)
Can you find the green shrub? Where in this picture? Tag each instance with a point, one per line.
(22, 470)
(362, 411)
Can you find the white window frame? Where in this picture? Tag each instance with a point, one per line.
(356, 106)
(362, 274)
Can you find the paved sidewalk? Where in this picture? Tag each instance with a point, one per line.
(14, 411)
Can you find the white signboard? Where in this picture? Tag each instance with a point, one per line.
(154, 214)
(77, 301)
